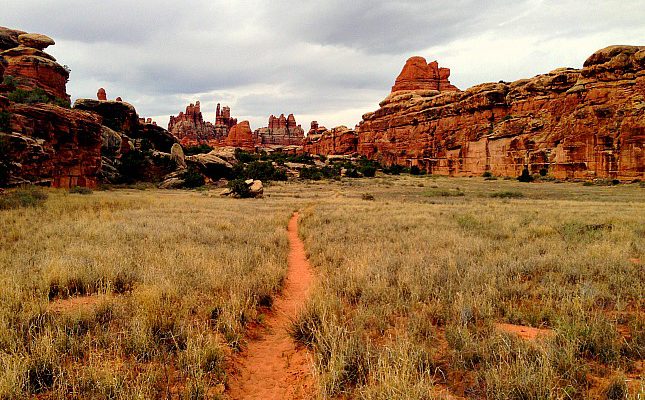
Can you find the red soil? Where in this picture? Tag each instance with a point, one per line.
(525, 332)
(274, 366)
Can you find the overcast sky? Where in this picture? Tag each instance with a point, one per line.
(327, 60)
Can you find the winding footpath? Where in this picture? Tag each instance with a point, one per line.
(274, 366)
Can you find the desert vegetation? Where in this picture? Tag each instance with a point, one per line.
(131, 294)
(425, 287)
(413, 291)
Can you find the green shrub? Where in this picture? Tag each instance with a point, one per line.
(414, 170)
(508, 195)
(311, 173)
(199, 149)
(245, 157)
(37, 95)
(5, 120)
(27, 196)
(616, 389)
(80, 190)
(487, 174)
(192, 178)
(133, 166)
(5, 163)
(544, 171)
(261, 170)
(525, 176)
(368, 171)
(394, 169)
(239, 188)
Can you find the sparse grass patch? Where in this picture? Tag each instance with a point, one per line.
(26, 196)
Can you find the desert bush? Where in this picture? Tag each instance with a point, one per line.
(367, 196)
(192, 178)
(199, 149)
(260, 170)
(80, 190)
(239, 188)
(414, 170)
(487, 174)
(525, 176)
(5, 120)
(26, 196)
(508, 194)
(132, 166)
(368, 171)
(616, 389)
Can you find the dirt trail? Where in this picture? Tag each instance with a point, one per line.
(273, 366)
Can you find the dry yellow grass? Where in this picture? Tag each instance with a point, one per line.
(166, 282)
(144, 294)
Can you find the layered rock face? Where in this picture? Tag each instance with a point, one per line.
(191, 129)
(44, 143)
(240, 136)
(30, 65)
(419, 75)
(51, 145)
(340, 140)
(282, 131)
(575, 124)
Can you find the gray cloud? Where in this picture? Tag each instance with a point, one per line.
(327, 60)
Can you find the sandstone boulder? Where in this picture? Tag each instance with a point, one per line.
(177, 154)
(35, 40)
(211, 165)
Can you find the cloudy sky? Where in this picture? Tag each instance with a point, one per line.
(330, 60)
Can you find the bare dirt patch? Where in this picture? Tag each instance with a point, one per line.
(273, 366)
(62, 306)
(525, 332)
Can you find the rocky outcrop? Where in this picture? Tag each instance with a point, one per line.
(52, 145)
(576, 124)
(240, 136)
(340, 140)
(30, 66)
(101, 95)
(191, 129)
(282, 131)
(417, 74)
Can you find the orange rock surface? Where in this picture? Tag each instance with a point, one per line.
(283, 131)
(579, 124)
(240, 136)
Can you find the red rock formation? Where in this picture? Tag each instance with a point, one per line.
(30, 66)
(101, 95)
(240, 136)
(340, 140)
(282, 131)
(579, 124)
(316, 129)
(419, 75)
(191, 129)
(55, 145)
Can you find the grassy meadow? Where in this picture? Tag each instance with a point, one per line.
(132, 294)
(147, 293)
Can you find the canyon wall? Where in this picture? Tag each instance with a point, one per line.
(569, 123)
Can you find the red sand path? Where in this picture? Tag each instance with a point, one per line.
(273, 366)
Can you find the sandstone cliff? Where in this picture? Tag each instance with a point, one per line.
(281, 131)
(43, 142)
(339, 140)
(569, 123)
